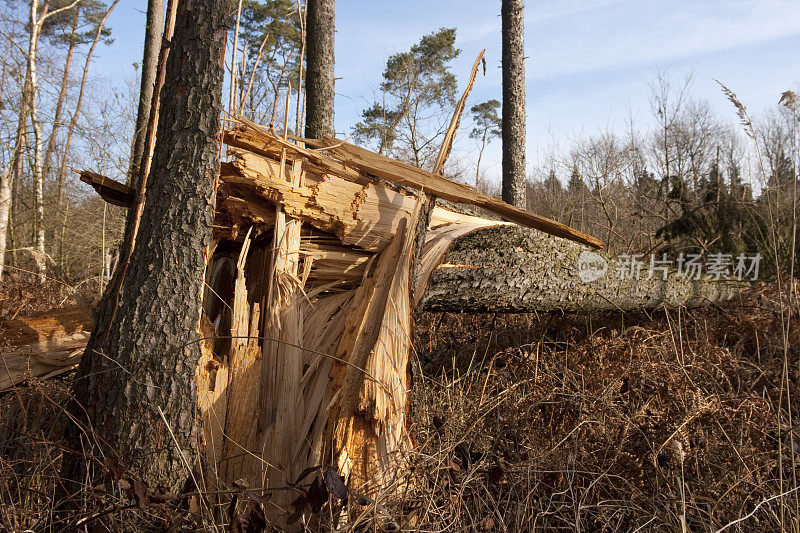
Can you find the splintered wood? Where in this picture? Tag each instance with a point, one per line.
(335, 334)
(43, 345)
(308, 306)
(330, 311)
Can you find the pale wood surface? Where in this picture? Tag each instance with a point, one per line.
(44, 344)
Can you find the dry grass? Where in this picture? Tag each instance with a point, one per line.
(30, 420)
(605, 423)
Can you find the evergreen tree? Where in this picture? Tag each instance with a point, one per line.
(576, 185)
(487, 126)
(270, 39)
(552, 185)
(416, 86)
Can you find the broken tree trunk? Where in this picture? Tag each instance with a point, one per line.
(505, 269)
(508, 269)
(308, 301)
(43, 345)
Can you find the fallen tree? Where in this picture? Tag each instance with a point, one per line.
(499, 269)
(43, 345)
(509, 269)
(308, 307)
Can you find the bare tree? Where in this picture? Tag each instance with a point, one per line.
(601, 161)
(6, 171)
(666, 105)
(12, 174)
(5, 211)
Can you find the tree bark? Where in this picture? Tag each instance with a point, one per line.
(319, 76)
(509, 269)
(136, 383)
(513, 22)
(152, 47)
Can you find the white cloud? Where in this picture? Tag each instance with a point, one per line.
(647, 31)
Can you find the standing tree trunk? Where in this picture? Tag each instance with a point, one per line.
(513, 15)
(5, 210)
(62, 97)
(152, 46)
(480, 156)
(319, 76)
(36, 166)
(136, 383)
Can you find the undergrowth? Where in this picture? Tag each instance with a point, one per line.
(667, 422)
(659, 423)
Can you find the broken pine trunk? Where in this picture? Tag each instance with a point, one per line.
(320, 251)
(308, 300)
(314, 250)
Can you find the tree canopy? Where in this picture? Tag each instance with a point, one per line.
(417, 89)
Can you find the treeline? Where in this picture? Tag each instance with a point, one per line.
(692, 181)
(57, 113)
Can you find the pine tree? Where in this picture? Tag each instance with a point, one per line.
(487, 126)
(576, 185)
(416, 85)
(552, 185)
(135, 386)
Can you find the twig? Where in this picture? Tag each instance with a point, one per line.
(756, 508)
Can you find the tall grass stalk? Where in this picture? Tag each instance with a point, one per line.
(790, 100)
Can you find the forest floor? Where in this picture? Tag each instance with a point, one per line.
(608, 423)
(666, 422)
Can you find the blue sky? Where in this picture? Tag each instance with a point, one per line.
(589, 62)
